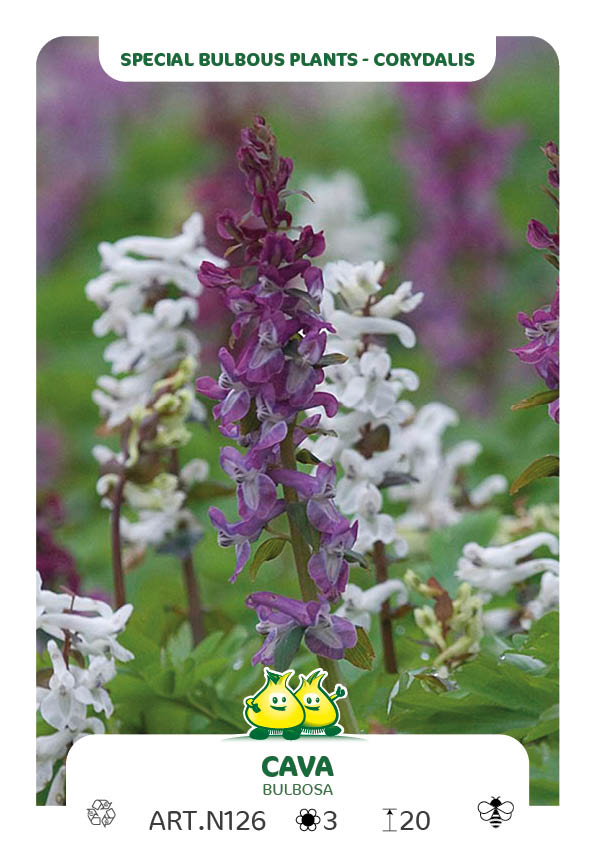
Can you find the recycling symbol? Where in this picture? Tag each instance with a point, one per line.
(101, 812)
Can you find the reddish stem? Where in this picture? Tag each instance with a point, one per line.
(117, 568)
(386, 625)
(195, 610)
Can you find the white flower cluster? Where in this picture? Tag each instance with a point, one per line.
(359, 605)
(432, 498)
(153, 329)
(89, 628)
(153, 364)
(495, 570)
(370, 389)
(159, 504)
(382, 441)
(341, 210)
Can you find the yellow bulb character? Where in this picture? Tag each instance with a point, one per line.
(274, 709)
(322, 712)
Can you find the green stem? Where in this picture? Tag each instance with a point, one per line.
(301, 554)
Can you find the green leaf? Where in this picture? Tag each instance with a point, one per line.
(303, 296)
(362, 655)
(306, 458)
(267, 551)
(201, 491)
(551, 258)
(548, 723)
(507, 685)
(545, 466)
(287, 647)
(538, 399)
(187, 680)
(331, 359)
(354, 557)
(445, 545)
(180, 645)
(163, 683)
(542, 640)
(544, 762)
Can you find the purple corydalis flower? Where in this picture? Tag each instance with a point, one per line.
(542, 329)
(328, 567)
(539, 237)
(324, 634)
(319, 492)
(54, 563)
(257, 493)
(243, 533)
(264, 355)
(233, 394)
(456, 162)
(269, 376)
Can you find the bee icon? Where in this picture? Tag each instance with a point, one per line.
(495, 811)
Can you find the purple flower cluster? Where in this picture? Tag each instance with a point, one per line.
(542, 329)
(78, 111)
(269, 375)
(55, 564)
(456, 163)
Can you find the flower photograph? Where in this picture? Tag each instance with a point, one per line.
(298, 404)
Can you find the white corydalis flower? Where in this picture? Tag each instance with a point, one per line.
(370, 389)
(374, 525)
(353, 284)
(159, 506)
(403, 300)
(73, 687)
(58, 704)
(494, 570)
(371, 385)
(341, 210)
(153, 329)
(155, 336)
(432, 498)
(359, 605)
(134, 265)
(359, 473)
(548, 599)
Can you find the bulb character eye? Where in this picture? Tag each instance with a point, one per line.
(274, 700)
(284, 699)
(317, 700)
(309, 700)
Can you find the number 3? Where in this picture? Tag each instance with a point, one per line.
(332, 820)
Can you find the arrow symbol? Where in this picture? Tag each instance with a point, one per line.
(389, 813)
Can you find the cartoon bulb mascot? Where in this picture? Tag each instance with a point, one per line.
(274, 709)
(322, 713)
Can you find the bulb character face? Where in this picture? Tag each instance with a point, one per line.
(320, 709)
(274, 706)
